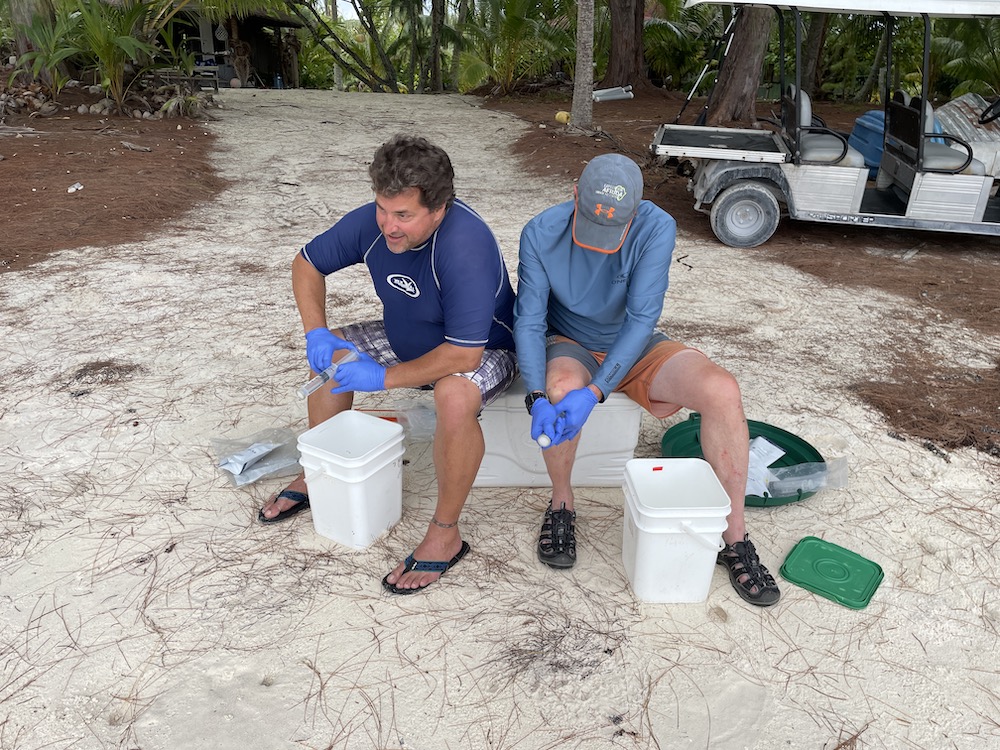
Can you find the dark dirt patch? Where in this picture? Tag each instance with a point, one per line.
(99, 373)
(127, 194)
(945, 408)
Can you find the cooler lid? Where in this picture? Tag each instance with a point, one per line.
(350, 437)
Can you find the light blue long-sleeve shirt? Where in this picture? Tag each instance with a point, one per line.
(606, 302)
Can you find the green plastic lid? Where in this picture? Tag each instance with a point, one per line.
(830, 570)
(684, 441)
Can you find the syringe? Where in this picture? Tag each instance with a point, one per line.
(326, 376)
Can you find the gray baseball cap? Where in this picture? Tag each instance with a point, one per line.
(607, 197)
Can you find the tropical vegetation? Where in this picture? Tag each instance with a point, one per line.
(114, 42)
(495, 46)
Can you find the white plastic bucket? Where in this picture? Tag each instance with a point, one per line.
(353, 464)
(675, 513)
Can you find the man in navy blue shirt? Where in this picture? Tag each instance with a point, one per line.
(447, 323)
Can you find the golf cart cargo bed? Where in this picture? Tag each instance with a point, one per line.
(695, 142)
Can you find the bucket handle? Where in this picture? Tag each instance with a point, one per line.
(715, 547)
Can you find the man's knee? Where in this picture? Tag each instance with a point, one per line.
(564, 375)
(456, 398)
(560, 382)
(721, 389)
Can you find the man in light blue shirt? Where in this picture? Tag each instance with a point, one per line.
(592, 274)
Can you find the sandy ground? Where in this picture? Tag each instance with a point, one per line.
(143, 606)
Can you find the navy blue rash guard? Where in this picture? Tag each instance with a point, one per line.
(454, 288)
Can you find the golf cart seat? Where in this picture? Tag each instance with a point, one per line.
(817, 143)
(941, 157)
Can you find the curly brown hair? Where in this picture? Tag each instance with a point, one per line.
(408, 161)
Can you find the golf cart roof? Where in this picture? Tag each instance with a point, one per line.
(936, 8)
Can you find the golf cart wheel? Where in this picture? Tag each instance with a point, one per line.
(745, 215)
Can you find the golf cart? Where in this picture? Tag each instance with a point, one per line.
(746, 179)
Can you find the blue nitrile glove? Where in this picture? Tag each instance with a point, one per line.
(574, 410)
(320, 346)
(365, 374)
(543, 419)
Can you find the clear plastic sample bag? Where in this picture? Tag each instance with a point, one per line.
(269, 453)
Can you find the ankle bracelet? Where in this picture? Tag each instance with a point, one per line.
(443, 525)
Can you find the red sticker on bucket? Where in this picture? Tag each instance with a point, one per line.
(657, 468)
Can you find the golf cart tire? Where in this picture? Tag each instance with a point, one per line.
(745, 215)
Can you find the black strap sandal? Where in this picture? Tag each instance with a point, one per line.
(557, 541)
(751, 580)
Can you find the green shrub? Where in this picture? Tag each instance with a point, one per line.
(112, 39)
(52, 44)
(315, 66)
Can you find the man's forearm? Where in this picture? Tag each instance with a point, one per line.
(622, 355)
(309, 288)
(445, 359)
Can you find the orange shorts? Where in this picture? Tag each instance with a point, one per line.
(637, 383)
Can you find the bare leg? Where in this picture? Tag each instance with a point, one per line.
(321, 406)
(564, 374)
(557, 539)
(458, 452)
(692, 380)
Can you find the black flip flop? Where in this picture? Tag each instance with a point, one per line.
(300, 499)
(427, 567)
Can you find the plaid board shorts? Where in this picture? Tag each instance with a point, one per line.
(495, 373)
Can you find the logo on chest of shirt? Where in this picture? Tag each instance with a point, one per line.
(404, 284)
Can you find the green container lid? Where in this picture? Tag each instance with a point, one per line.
(684, 441)
(832, 571)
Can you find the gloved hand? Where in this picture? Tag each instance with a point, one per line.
(320, 346)
(543, 420)
(573, 412)
(364, 374)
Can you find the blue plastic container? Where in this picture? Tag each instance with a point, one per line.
(867, 137)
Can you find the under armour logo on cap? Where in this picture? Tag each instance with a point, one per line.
(607, 197)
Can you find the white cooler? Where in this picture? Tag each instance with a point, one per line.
(513, 459)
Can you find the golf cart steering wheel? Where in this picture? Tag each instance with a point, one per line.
(991, 113)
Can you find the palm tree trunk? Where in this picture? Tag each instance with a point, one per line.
(735, 95)
(21, 14)
(437, 24)
(338, 72)
(412, 13)
(869, 85)
(355, 65)
(583, 82)
(626, 62)
(456, 54)
(812, 50)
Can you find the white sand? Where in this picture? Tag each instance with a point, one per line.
(142, 605)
